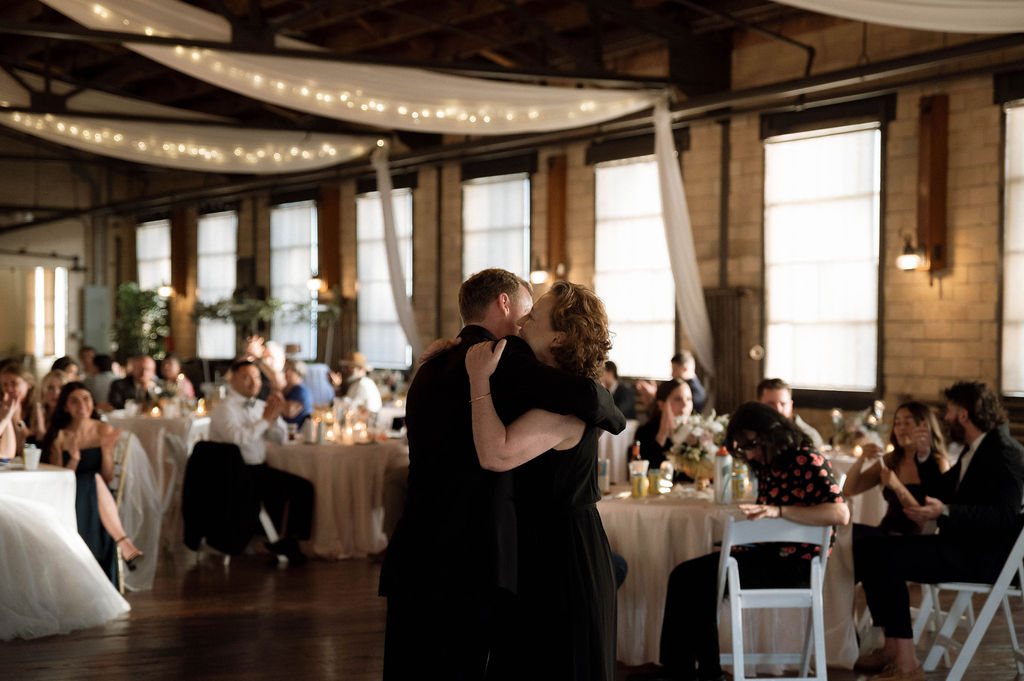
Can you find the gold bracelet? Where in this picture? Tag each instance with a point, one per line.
(478, 397)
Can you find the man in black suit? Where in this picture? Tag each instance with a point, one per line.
(622, 394)
(977, 508)
(451, 563)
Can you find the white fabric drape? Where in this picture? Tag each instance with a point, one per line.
(947, 16)
(382, 96)
(693, 312)
(140, 512)
(403, 305)
(207, 148)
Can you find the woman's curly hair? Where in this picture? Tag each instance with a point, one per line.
(580, 315)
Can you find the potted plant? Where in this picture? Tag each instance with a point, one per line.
(140, 323)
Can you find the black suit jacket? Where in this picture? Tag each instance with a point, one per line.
(458, 528)
(985, 508)
(625, 400)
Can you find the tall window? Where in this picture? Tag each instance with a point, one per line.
(821, 235)
(48, 312)
(293, 261)
(496, 224)
(215, 280)
(1013, 256)
(631, 268)
(381, 337)
(153, 254)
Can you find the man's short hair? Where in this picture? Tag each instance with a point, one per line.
(983, 407)
(239, 363)
(103, 363)
(683, 358)
(481, 289)
(771, 384)
(62, 364)
(610, 366)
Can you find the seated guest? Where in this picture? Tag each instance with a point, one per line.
(99, 382)
(17, 385)
(139, 386)
(780, 453)
(362, 391)
(298, 404)
(248, 422)
(78, 440)
(86, 355)
(907, 473)
(625, 398)
(42, 414)
(68, 365)
(684, 366)
(170, 371)
(977, 508)
(269, 359)
(671, 406)
(776, 394)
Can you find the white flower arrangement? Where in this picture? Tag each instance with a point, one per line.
(695, 441)
(864, 427)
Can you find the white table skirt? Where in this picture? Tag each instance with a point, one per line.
(348, 482)
(50, 485)
(151, 431)
(615, 448)
(657, 533)
(867, 508)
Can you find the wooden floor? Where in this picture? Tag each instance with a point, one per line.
(255, 620)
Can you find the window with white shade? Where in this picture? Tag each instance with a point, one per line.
(821, 241)
(1013, 256)
(381, 337)
(153, 254)
(496, 224)
(293, 262)
(47, 308)
(632, 274)
(217, 252)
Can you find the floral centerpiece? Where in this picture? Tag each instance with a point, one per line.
(695, 441)
(864, 427)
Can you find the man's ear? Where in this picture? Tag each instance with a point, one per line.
(504, 303)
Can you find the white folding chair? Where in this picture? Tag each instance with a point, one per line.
(998, 594)
(740, 599)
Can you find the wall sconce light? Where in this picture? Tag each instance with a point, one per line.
(315, 283)
(538, 273)
(165, 291)
(911, 258)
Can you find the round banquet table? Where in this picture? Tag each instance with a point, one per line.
(615, 448)
(654, 534)
(151, 431)
(348, 482)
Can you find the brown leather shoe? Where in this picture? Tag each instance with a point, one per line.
(894, 673)
(875, 661)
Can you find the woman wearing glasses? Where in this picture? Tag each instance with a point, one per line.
(794, 482)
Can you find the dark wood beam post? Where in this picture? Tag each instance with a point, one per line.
(932, 164)
(556, 260)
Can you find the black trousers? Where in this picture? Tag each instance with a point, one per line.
(279, 491)
(689, 631)
(885, 564)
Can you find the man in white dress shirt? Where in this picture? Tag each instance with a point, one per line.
(248, 422)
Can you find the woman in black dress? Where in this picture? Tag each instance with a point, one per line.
(78, 440)
(672, 405)
(907, 473)
(563, 621)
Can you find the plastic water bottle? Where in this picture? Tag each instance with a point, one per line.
(723, 476)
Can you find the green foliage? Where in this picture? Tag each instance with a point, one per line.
(140, 323)
(245, 313)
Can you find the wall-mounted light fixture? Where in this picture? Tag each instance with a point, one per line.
(315, 283)
(165, 291)
(911, 258)
(538, 273)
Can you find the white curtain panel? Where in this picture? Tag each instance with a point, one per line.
(206, 148)
(383, 96)
(403, 305)
(944, 16)
(693, 313)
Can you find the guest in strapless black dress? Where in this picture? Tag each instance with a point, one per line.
(907, 474)
(87, 511)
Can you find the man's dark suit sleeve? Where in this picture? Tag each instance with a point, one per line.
(521, 382)
(993, 505)
(700, 395)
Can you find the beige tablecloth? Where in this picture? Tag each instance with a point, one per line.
(348, 482)
(50, 485)
(657, 533)
(151, 431)
(615, 448)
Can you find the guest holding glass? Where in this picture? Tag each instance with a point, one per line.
(795, 482)
(907, 473)
(79, 441)
(671, 406)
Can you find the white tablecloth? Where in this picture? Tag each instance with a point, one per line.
(868, 507)
(152, 430)
(615, 448)
(50, 485)
(348, 481)
(657, 533)
(141, 510)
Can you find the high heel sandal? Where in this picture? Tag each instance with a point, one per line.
(129, 561)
